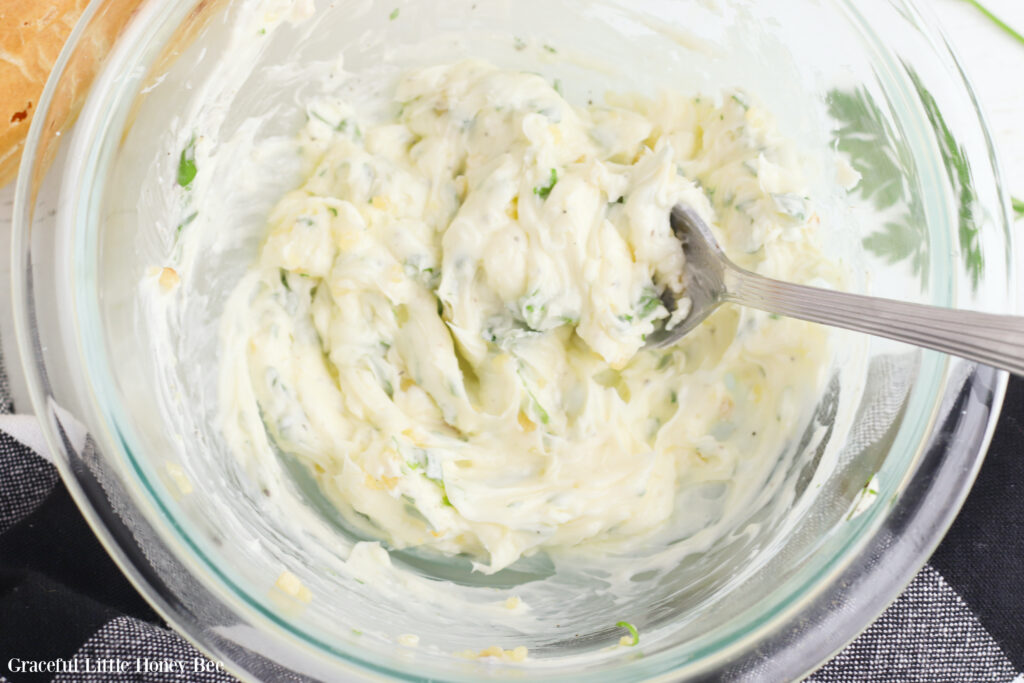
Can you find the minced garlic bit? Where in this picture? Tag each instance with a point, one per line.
(169, 279)
(180, 479)
(290, 585)
(513, 602)
(409, 640)
(518, 654)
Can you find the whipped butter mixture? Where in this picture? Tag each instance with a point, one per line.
(446, 324)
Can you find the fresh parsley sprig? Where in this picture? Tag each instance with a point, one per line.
(886, 165)
(889, 176)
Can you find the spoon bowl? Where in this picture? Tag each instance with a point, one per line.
(711, 279)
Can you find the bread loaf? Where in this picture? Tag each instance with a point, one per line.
(32, 33)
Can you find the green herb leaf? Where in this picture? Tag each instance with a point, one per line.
(648, 304)
(342, 126)
(997, 21)
(551, 49)
(886, 166)
(394, 14)
(544, 191)
(897, 242)
(186, 222)
(959, 172)
(1018, 206)
(793, 205)
(541, 413)
(537, 407)
(534, 314)
(866, 137)
(632, 631)
(187, 164)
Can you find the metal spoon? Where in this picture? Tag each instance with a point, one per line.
(711, 279)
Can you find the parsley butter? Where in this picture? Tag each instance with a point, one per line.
(446, 323)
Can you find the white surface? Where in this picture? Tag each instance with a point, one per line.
(994, 63)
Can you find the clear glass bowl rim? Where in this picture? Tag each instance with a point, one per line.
(27, 337)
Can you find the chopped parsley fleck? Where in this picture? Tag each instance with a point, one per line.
(394, 14)
(317, 115)
(284, 279)
(541, 413)
(188, 220)
(558, 87)
(538, 408)
(544, 191)
(187, 164)
(342, 126)
(649, 303)
(632, 631)
(551, 49)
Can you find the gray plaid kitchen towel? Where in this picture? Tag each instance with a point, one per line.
(63, 600)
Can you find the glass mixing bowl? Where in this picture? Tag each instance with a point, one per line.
(127, 399)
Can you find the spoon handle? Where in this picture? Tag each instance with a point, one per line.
(996, 340)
